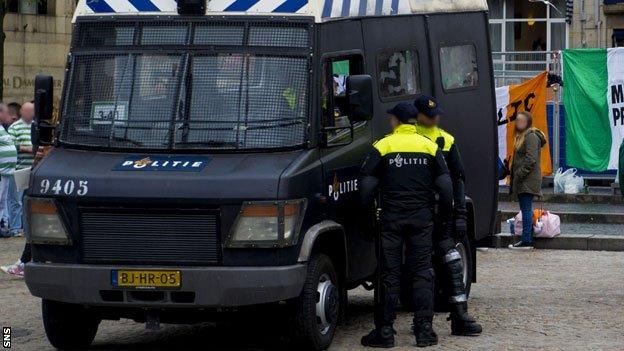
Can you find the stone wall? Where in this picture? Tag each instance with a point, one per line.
(585, 32)
(36, 44)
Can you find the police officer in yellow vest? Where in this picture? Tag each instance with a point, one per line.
(408, 169)
(428, 119)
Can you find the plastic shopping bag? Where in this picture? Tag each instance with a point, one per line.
(567, 182)
(518, 224)
(574, 185)
(558, 181)
(550, 225)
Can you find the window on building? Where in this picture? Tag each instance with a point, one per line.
(398, 73)
(30, 7)
(334, 93)
(618, 37)
(458, 66)
(13, 6)
(524, 33)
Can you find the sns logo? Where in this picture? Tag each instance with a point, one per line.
(398, 161)
(338, 188)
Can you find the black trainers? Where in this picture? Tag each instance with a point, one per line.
(463, 323)
(382, 338)
(521, 246)
(423, 331)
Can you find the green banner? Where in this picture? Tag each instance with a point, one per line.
(588, 133)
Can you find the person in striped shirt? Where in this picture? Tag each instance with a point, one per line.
(20, 131)
(8, 157)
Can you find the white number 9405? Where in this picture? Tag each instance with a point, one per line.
(64, 187)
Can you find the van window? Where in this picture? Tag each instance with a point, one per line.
(458, 65)
(398, 73)
(334, 91)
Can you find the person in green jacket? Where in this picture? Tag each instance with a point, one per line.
(526, 173)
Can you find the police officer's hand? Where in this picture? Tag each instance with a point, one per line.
(461, 227)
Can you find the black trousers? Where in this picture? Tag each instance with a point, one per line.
(416, 236)
(443, 241)
(452, 280)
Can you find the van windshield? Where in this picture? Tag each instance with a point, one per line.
(184, 95)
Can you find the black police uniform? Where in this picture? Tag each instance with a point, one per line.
(444, 243)
(408, 169)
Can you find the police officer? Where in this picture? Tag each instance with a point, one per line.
(408, 169)
(428, 119)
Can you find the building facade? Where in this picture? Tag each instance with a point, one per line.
(527, 34)
(37, 41)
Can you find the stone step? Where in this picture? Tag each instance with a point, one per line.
(597, 195)
(568, 242)
(572, 213)
(583, 228)
(580, 217)
(577, 198)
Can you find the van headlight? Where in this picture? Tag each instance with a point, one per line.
(267, 224)
(44, 223)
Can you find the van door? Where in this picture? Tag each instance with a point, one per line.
(463, 84)
(344, 152)
(397, 57)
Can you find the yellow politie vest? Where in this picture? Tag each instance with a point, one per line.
(402, 140)
(433, 133)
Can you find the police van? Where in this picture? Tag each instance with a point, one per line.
(207, 154)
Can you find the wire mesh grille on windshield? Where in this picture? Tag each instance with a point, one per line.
(167, 94)
(122, 101)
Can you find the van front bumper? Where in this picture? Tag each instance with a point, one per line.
(212, 286)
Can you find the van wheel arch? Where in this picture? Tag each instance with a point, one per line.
(326, 237)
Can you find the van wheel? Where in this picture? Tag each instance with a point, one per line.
(462, 246)
(317, 308)
(68, 326)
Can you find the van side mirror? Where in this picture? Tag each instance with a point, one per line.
(360, 97)
(43, 130)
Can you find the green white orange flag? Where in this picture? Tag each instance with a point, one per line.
(593, 95)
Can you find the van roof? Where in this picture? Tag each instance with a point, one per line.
(321, 10)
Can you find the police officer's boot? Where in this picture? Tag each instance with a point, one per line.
(463, 323)
(423, 331)
(379, 337)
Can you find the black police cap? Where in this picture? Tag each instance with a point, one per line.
(405, 112)
(428, 105)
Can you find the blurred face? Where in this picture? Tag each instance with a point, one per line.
(5, 117)
(14, 112)
(28, 112)
(427, 121)
(394, 122)
(521, 123)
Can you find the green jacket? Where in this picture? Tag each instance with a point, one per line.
(526, 173)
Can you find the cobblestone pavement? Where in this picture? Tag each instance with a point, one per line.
(539, 300)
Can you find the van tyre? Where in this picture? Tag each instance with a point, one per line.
(464, 247)
(68, 326)
(318, 306)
